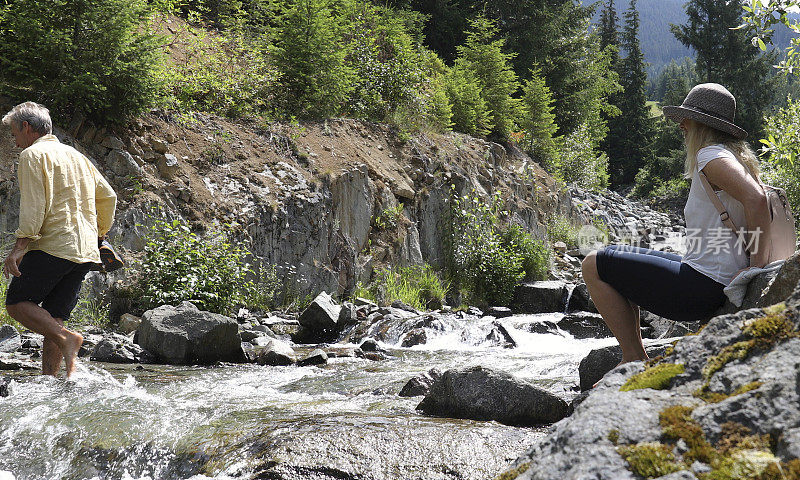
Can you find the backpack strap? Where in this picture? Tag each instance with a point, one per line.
(724, 217)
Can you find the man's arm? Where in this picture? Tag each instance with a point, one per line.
(105, 203)
(11, 265)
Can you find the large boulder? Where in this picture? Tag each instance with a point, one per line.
(602, 360)
(781, 286)
(320, 320)
(10, 339)
(274, 353)
(580, 301)
(115, 348)
(540, 297)
(185, 335)
(480, 393)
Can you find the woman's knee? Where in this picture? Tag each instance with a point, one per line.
(589, 266)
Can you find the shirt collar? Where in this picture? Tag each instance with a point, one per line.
(46, 138)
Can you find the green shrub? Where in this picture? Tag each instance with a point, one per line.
(781, 153)
(470, 113)
(418, 286)
(87, 55)
(180, 265)
(538, 120)
(476, 259)
(562, 229)
(219, 73)
(534, 254)
(578, 162)
(5, 318)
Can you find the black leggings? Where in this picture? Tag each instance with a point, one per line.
(659, 282)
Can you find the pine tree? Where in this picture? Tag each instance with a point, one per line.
(314, 77)
(635, 140)
(727, 57)
(538, 119)
(608, 25)
(483, 55)
(609, 42)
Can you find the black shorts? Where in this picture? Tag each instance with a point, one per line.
(659, 282)
(53, 282)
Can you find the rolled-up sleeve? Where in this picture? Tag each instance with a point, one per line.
(105, 203)
(33, 198)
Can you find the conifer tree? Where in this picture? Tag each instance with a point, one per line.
(635, 134)
(609, 42)
(314, 76)
(538, 119)
(482, 54)
(727, 57)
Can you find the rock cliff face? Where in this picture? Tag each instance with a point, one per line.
(325, 203)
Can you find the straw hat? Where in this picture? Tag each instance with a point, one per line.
(710, 104)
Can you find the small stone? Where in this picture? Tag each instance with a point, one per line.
(159, 145)
(113, 142)
(560, 247)
(128, 323)
(317, 357)
(168, 166)
(171, 138)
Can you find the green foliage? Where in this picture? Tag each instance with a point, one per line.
(760, 19)
(578, 161)
(481, 258)
(536, 256)
(538, 120)
(781, 153)
(417, 286)
(483, 56)
(5, 318)
(470, 114)
(223, 74)
(744, 70)
(562, 229)
(180, 265)
(389, 218)
(315, 78)
(658, 377)
(93, 56)
(650, 459)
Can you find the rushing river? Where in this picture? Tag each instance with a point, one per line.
(343, 420)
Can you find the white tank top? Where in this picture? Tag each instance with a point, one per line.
(712, 248)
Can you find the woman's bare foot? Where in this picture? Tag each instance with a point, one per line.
(72, 344)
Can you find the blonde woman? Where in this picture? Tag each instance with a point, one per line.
(621, 279)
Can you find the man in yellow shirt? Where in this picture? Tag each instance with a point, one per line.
(65, 206)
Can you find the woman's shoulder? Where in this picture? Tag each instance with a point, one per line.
(710, 152)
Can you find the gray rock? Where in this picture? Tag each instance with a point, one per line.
(402, 306)
(114, 348)
(10, 339)
(370, 345)
(168, 166)
(580, 301)
(421, 384)
(317, 357)
(584, 325)
(113, 142)
(499, 335)
(275, 353)
(159, 145)
(347, 314)
(540, 297)
(499, 312)
(417, 336)
(122, 164)
(479, 393)
(90, 341)
(664, 328)
(13, 361)
(783, 284)
(4, 382)
(186, 335)
(128, 323)
(602, 360)
(249, 335)
(320, 319)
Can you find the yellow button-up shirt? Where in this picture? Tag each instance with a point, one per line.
(65, 203)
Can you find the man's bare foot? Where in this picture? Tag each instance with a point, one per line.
(72, 344)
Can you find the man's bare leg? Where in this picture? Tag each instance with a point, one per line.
(38, 319)
(618, 313)
(51, 355)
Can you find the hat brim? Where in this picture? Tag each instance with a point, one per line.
(677, 114)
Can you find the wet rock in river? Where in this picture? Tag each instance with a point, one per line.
(14, 361)
(583, 325)
(275, 353)
(480, 393)
(499, 335)
(580, 301)
(602, 360)
(186, 335)
(114, 348)
(10, 339)
(4, 382)
(317, 357)
(320, 320)
(417, 336)
(499, 312)
(421, 384)
(540, 297)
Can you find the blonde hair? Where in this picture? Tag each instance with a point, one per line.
(699, 135)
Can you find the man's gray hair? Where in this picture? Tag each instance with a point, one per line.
(37, 116)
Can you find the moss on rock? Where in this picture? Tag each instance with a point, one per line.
(657, 377)
(514, 473)
(650, 459)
